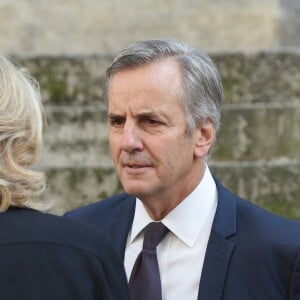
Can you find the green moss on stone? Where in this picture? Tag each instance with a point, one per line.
(290, 210)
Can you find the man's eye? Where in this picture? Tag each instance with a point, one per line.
(116, 122)
(150, 121)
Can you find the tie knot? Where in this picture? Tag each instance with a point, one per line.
(153, 234)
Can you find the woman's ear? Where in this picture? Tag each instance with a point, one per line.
(205, 135)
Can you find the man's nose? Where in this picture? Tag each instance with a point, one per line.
(131, 140)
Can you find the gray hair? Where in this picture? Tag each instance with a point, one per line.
(202, 87)
(21, 124)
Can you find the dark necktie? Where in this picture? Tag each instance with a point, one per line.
(144, 283)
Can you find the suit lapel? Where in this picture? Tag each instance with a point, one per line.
(215, 266)
(122, 223)
(219, 248)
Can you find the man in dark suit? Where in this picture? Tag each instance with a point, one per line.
(164, 107)
(42, 256)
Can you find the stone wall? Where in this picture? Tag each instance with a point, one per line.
(257, 154)
(67, 46)
(72, 27)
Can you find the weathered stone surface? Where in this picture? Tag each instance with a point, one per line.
(78, 135)
(75, 136)
(290, 23)
(259, 132)
(69, 80)
(273, 185)
(256, 156)
(265, 76)
(34, 27)
(71, 187)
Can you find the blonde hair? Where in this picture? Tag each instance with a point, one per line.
(21, 128)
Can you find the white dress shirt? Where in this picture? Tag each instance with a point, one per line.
(181, 253)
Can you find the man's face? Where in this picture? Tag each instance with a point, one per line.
(153, 155)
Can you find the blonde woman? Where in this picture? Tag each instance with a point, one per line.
(42, 256)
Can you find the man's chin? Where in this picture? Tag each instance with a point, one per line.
(135, 190)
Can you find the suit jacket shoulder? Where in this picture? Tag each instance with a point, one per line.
(251, 253)
(108, 207)
(113, 216)
(44, 256)
(251, 220)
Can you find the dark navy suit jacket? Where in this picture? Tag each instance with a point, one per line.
(251, 254)
(45, 257)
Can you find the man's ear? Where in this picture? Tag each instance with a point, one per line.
(205, 135)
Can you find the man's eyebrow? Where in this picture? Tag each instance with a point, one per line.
(114, 115)
(142, 114)
(147, 114)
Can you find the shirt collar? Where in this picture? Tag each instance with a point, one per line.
(187, 219)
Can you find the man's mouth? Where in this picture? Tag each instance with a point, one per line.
(136, 166)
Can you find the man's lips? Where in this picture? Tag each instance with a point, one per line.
(133, 169)
(136, 165)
